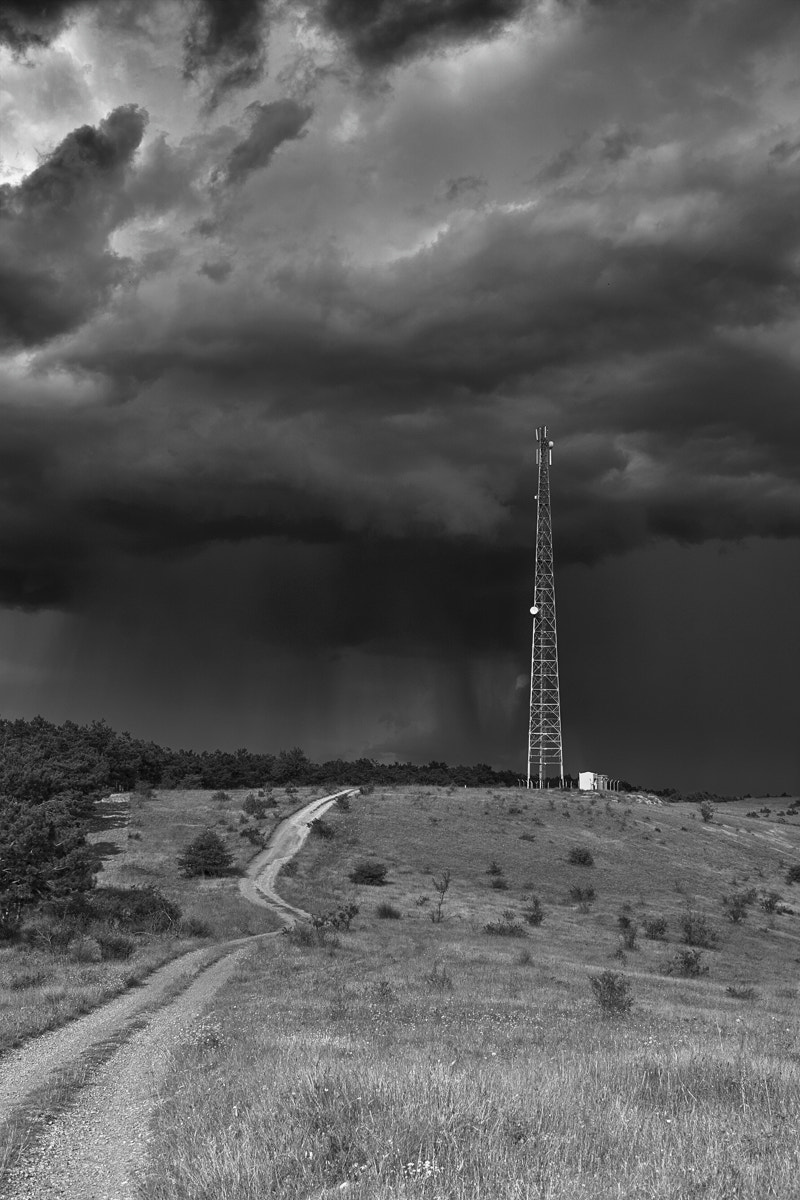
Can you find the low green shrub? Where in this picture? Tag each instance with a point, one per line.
(369, 872)
(793, 874)
(581, 856)
(687, 962)
(508, 926)
(584, 897)
(499, 883)
(612, 991)
(322, 829)
(387, 912)
(115, 946)
(696, 930)
(84, 949)
(655, 928)
(192, 927)
(628, 930)
(533, 912)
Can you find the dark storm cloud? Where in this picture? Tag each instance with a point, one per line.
(272, 124)
(55, 261)
(226, 38)
(381, 32)
(25, 24)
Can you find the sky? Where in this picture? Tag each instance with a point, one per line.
(286, 287)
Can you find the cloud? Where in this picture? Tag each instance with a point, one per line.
(56, 265)
(25, 24)
(382, 32)
(272, 124)
(227, 39)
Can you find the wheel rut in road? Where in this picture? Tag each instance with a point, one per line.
(87, 1089)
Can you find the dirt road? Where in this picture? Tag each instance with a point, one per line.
(95, 1079)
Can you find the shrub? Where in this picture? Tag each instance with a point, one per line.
(322, 829)
(439, 978)
(533, 911)
(707, 811)
(527, 837)
(628, 930)
(741, 992)
(289, 868)
(584, 897)
(499, 884)
(655, 928)
(494, 868)
(301, 933)
(221, 798)
(256, 806)
(254, 836)
(441, 885)
(340, 918)
(369, 872)
(342, 803)
(769, 901)
(793, 874)
(84, 950)
(581, 856)
(736, 906)
(686, 962)
(507, 927)
(116, 946)
(206, 855)
(139, 910)
(612, 991)
(191, 927)
(387, 912)
(697, 931)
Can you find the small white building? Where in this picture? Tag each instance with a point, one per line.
(592, 781)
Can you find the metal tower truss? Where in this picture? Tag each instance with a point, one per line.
(545, 752)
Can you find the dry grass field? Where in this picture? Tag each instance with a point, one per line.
(411, 1057)
(42, 984)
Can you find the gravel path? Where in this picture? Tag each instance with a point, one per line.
(94, 1149)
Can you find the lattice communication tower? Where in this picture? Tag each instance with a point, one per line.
(545, 752)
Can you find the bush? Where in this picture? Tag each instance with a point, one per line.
(533, 911)
(206, 855)
(707, 811)
(28, 977)
(191, 927)
(116, 946)
(612, 991)
(84, 950)
(628, 930)
(741, 992)
(256, 806)
(499, 884)
(322, 829)
(687, 963)
(736, 906)
(340, 918)
(793, 874)
(221, 798)
(507, 927)
(770, 901)
(583, 897)
(655, 928)
(387, 912)
(581, 856)
(138, 910)
(254, 836)
(342, 803)
(369, 872)
(494, 868)
(696, 930)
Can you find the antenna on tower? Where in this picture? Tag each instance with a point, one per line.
(544, 727)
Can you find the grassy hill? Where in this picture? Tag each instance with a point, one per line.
(470, 1056)
(53, 974)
